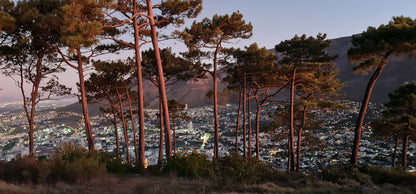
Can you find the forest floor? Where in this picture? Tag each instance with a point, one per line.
(173, 184)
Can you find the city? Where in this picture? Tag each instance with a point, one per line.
(54, 129)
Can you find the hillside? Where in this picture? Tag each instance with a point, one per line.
(401, 69)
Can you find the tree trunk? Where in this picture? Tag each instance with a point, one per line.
(174, 135)
(300, 138)
(87, 122)
(136, 151)
(162, 87)
(393, 159)
(139, 85)
(404, 151)
(361, 115)
(126, 137)
(215, 87)
(116, 130)
(249, 126)
(291, 165)
(244, 114)
(161, 132)
(258, 128)
(238, 122)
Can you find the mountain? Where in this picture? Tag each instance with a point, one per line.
(400, 70)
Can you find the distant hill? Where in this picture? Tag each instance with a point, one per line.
(401, 69)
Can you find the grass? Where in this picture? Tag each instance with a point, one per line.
(74, 170)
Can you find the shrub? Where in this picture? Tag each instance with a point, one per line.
(339, 172)
(194, 165)
(21, 170)
(238, 169)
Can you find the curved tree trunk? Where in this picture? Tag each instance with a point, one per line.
(87, 122)
(361, 115)
(139, 85)
(238, 122)
(162, 87)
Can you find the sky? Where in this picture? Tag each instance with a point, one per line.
(278, 20)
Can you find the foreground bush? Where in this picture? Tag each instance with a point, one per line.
(194, 165)
(69, 164)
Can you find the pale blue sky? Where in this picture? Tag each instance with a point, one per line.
(277, 20)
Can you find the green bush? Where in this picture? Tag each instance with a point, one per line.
(340, 172)
(238, 169)
(194, 165)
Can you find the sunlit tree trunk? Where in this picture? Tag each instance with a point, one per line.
(291, 164)
(215, 87)
(361, 115)
(139, 85)
(302, 126)
(244, 114)
(136, 151)
(116, 129)
(126, 137)
(87, 122)
(237, 127)
(258, 112)
(161, 132)
(249, 125)
(162, 87)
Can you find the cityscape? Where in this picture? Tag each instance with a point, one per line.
(54, 129)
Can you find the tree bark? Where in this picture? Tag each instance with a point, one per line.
(361, 115)
(215, 87)
(300, 137)
(258, 128)
(161, 132)
(249, 126)
(136, 151)
(238, 122)
(244, 114)
(87, 122)
(291, 164)
(126, 137)
(174, 135)
(162, 87)
(116, 130)
(404, 151)
(139, 85)
(393, 159)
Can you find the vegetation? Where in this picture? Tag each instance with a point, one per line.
(37, 38)
(73, 169)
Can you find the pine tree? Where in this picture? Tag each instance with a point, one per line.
(299, 54)
(371, 50)
(212, 34)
